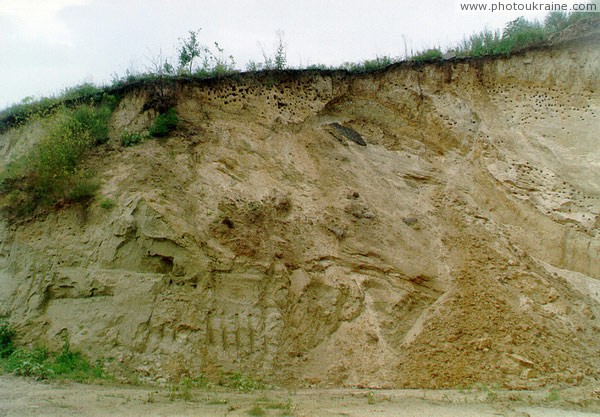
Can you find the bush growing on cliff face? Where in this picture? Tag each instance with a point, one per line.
(164, 124)
(54, 161)
(132, 139)
(95, 119)
(51, 172)
(82, 186)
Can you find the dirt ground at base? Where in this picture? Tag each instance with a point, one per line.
(25, 397)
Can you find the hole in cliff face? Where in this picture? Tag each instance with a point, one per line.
(228, 222)
(161, 264)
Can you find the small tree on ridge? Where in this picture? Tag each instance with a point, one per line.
(188, 50)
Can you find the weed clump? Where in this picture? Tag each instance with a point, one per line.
(243, 383)
(257, 411)
(132, 139)
(368, 65)
(51, 173)
(553, 395)
(428, 55)
(164, 123)
(95, 119)
(29, 363)
(107, 204)
(40, 364)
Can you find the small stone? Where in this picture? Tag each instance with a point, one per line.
(521, 360)
(529, 373)
(338, 231)
(483, 344)
(552, 295)
(410, 221)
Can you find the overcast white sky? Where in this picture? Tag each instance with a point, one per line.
(47, 45)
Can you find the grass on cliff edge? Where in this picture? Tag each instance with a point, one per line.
(515, 36)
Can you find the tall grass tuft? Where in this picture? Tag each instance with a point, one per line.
(428, 55)
(40, 364)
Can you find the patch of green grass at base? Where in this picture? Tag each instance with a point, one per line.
(39, 363)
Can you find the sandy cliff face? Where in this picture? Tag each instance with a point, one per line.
(460, 245)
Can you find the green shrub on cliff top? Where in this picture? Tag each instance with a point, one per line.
(521, 33)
